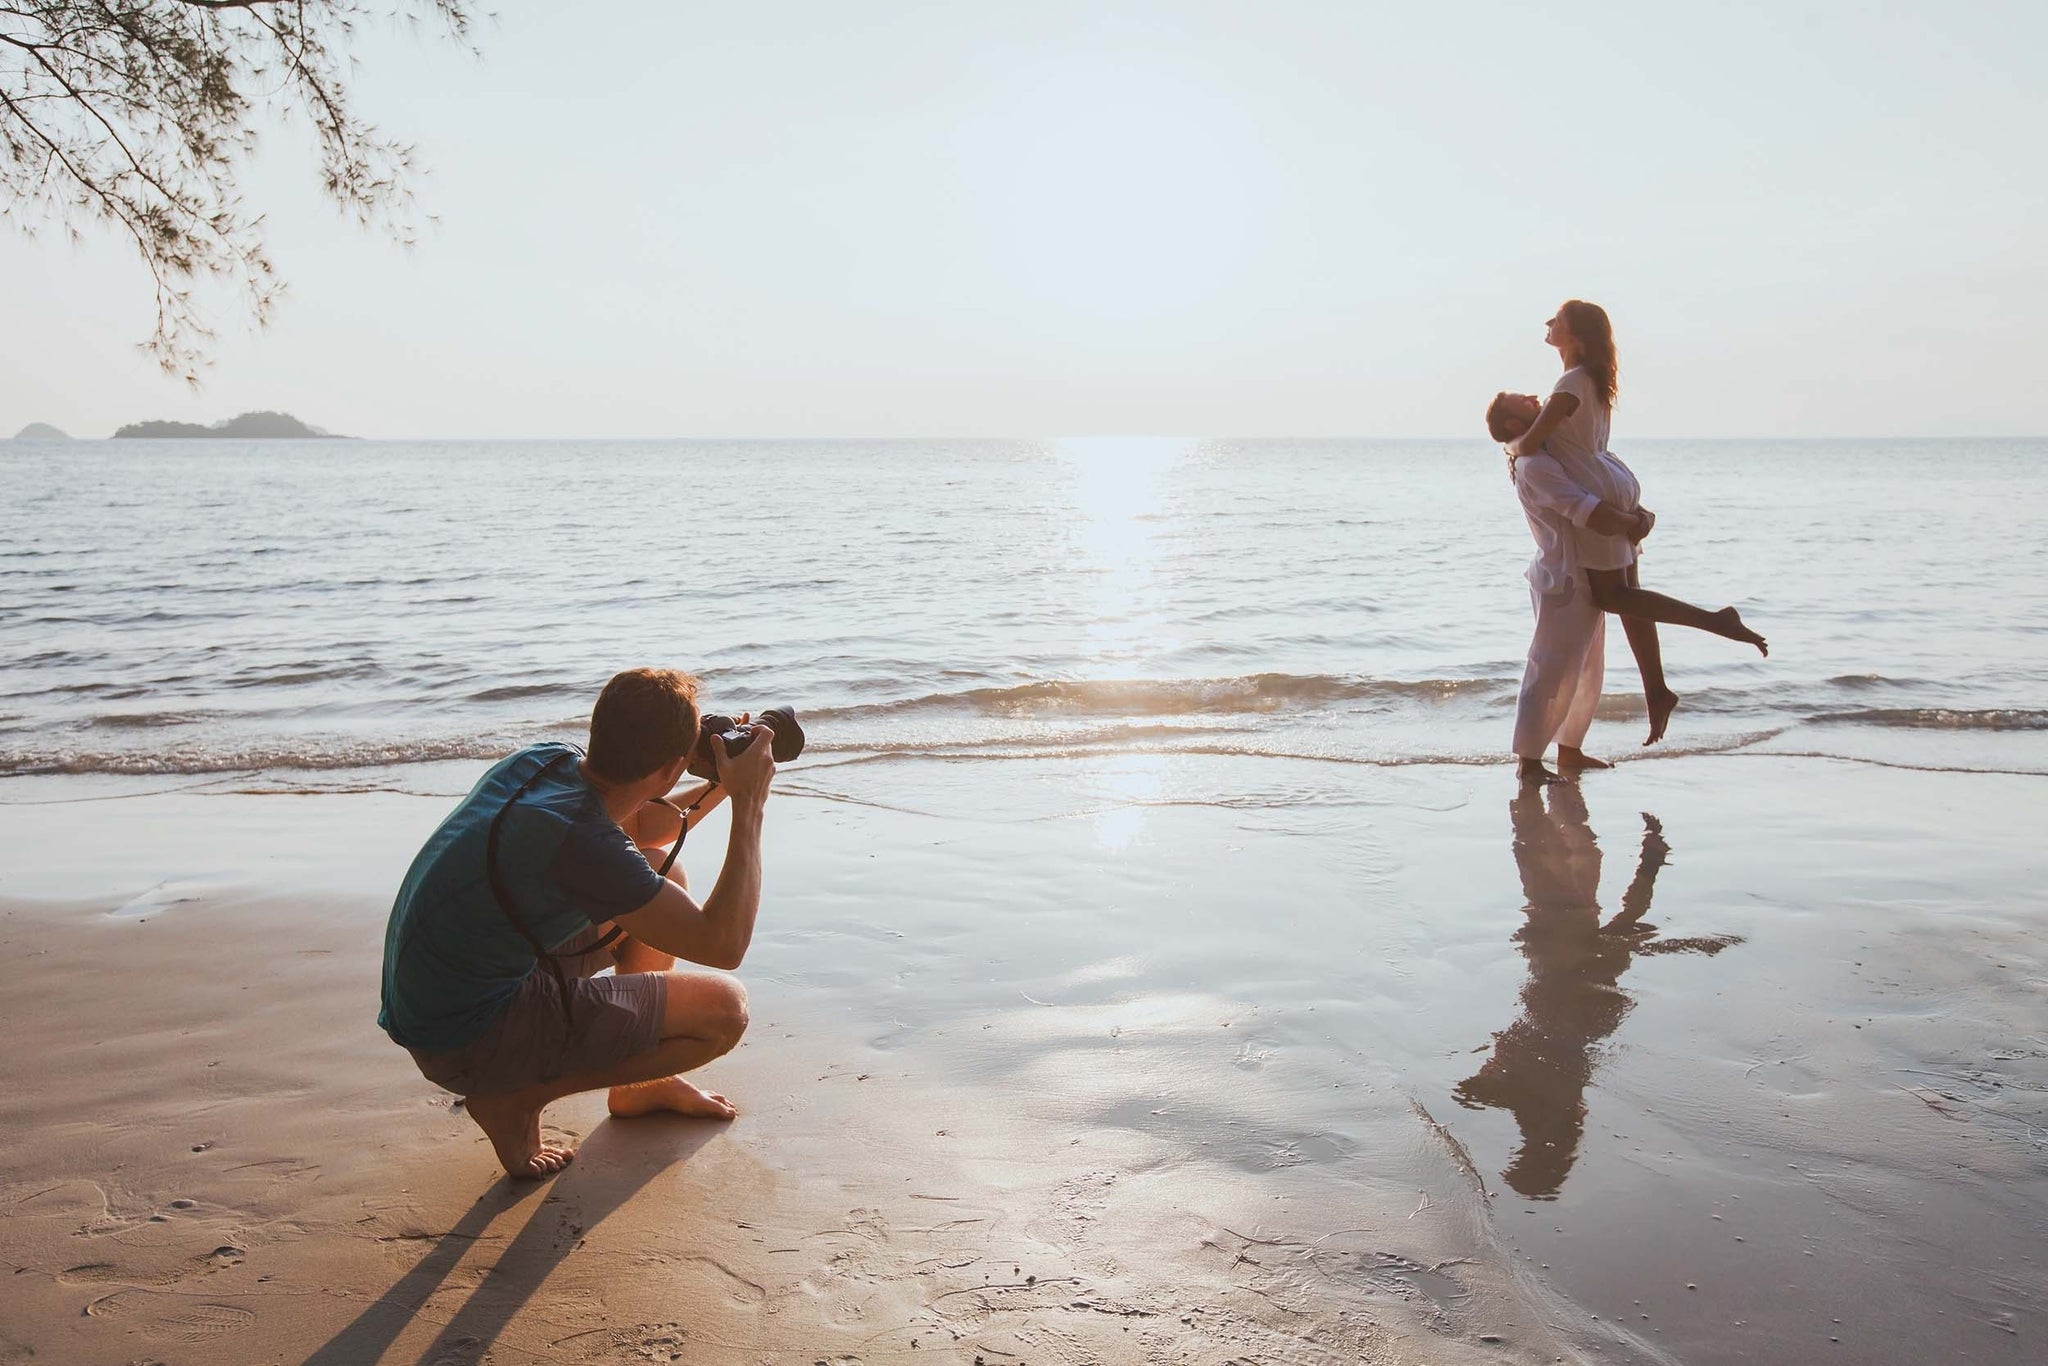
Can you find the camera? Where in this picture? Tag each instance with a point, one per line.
(789, 739)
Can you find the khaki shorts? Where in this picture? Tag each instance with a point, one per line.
(617, 1019)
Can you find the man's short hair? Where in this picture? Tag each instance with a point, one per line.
(1502, 425)
(645, 719)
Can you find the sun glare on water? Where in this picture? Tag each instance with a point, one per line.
(1131, 785)
(1120, 490)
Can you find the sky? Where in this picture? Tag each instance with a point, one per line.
(1288, 218)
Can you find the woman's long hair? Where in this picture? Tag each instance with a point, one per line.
(1595, 335)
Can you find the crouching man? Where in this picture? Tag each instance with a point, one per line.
(551, 870)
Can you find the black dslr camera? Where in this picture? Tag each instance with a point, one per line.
(789, 739)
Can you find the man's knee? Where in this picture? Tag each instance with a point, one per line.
(707, 1007)
(735, 1018)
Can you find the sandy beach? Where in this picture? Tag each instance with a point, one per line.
(1067, 1063)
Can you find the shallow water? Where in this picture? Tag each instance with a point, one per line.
(201, 607)
(1748, 1055)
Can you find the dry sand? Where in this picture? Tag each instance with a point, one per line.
(1062, 1063)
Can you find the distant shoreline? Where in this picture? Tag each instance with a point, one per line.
(270, 425)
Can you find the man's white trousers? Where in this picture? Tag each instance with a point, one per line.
(1561, 681)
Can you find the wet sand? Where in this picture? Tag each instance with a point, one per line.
(1144, 1058)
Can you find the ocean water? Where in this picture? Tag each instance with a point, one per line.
(310, 609)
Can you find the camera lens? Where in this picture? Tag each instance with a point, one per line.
(789, 739)
(789, 736)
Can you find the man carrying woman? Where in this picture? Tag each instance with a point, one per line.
(1584, 510)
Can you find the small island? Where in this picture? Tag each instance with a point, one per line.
(41, 431)
(275, 426)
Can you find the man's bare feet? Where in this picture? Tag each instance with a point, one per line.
(513, 1126)
(1570, 759)
(1533, 771)
(671, 1095)
(1732, 627)
(1661, 706)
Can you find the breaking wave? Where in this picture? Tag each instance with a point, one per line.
(1263, 692)
(1941, 718)
(1336, 718)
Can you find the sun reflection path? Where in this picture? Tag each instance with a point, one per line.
(1130, 784)
(1120, 489)
(1121, 495)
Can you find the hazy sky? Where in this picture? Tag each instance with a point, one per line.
(864, 217)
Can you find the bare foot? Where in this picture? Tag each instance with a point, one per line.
(672, 1095)
(513, 1126)
(1661, 706)
(1569, 758)
(1533, 771)
(1732, 627)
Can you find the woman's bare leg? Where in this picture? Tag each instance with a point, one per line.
(1649, 653)
(1614, 593)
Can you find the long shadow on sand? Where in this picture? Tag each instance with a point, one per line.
(613, 1165)
(1541, 1064)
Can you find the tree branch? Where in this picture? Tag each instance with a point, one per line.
(143, 109)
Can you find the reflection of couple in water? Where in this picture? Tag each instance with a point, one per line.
(1541, 1064)
(1584, 509)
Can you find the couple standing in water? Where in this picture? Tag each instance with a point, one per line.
(1584, 509)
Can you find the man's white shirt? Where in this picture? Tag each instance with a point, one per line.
(1554, 505)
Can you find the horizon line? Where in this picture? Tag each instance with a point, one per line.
(1065, 436)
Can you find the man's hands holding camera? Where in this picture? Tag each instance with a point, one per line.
(740, 755)
(745, 776)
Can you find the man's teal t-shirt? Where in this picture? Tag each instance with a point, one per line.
(451, 958)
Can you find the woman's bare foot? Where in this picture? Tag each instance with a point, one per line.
(1533, 771)
(1731, 626)
(672, 1095)
(1661, 706)
(1569, 758)
(513, 1126)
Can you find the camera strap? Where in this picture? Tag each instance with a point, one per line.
(552, 960)
(685, 812)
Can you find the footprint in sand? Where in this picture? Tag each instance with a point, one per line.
(459, 1351)
(738, 1287)
(171, 1318)
(113, 1273)
(117, 1305)
(84, 1201)
(152, 1269)
(199, 1323)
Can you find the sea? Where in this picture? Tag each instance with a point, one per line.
(303, 611)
